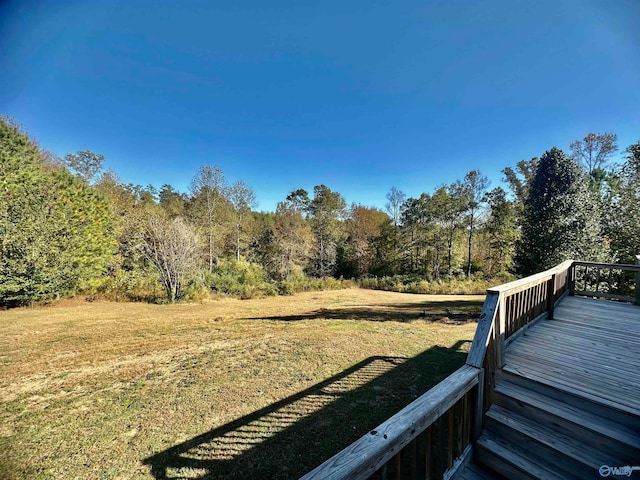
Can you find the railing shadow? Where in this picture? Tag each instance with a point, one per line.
(290, 437)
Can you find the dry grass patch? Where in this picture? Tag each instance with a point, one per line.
(229, 389)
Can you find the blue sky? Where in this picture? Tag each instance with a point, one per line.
(358, 95)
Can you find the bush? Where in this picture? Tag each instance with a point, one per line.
(240, 279)
(130, 286)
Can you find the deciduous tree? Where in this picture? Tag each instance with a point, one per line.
(473, 189)
(291, 243)
(395, 200)
(594, 150)
(243, 200)
(171, 247)
(209, 207)
(326, 209)
(502, 231)
(84, 164)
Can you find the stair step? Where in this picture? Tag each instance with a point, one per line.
(513, 462)
(578, 400)
(474, 471)
(568, 452)
(601, 433)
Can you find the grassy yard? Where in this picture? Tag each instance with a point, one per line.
(264, 388)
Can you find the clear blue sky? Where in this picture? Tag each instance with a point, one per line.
(360, 95)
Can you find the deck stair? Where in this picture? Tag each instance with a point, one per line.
(536, 431)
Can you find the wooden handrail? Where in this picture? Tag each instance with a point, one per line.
(524, 283)
(365, 456)
(614, 286)
(484, 330)
(617, 266)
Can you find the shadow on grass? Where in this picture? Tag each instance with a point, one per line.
(288, 438)
(449, 311)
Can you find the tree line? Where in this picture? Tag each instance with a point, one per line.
(67, 226)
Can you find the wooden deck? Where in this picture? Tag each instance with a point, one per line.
(591, 348)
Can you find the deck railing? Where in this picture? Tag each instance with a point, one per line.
(434, 435)
(603, 280)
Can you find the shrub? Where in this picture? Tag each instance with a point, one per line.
(130, 286)
(240, 279)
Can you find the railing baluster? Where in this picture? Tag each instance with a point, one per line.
(638, 281)
(460, 427)
(428, 464)
(384, 474)
(414, 459)
(450, 439)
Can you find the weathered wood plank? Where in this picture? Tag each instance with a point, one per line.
(562, 384)
(612, 396)
(607, 360)
(558, 449)
(593, 381)
(475, 358)
(524, 283)
(605, 365)
(568, 419)
(363, 457)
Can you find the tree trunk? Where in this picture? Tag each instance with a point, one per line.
(469, 257)
(238, 242)
(210, 251)
(450, 247)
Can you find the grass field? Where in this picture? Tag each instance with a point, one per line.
(264, 388)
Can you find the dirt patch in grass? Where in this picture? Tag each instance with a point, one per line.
(264, 388)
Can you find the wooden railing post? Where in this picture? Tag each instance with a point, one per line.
(572, 279)
(501, 330)
(551, 295)
(638, 281)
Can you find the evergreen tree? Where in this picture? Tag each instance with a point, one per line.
(561, 217)
(55, 230)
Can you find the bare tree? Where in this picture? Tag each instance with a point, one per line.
(594, 151)
(209, 191)
(395, 200)
(243, 200)
(171, 247)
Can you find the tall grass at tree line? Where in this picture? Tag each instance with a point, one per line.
(448, 286)
(246, 280)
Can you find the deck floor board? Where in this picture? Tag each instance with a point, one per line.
(592, 347)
